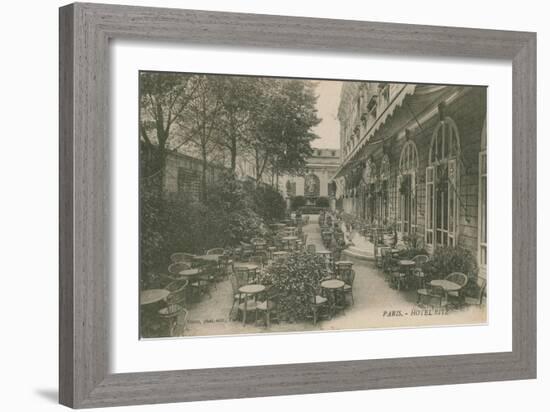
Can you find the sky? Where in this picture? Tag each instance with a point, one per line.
(327, 105)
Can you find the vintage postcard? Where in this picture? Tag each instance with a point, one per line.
(276, 205)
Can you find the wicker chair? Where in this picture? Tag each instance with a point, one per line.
(482, 293)
(418, 272)
(311, 248)
(175, 315)
(460, 279)
(431, 292)
(246, 250)
(178, 292)
(174, 270)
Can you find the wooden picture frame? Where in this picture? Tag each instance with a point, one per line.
(85, 31)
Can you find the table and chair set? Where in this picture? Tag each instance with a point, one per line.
(406, 274)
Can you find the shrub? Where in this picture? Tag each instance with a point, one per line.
(269, 203)
(311, 210)
(297, 201)
(322, 201)
(450, 259)
(294, 277)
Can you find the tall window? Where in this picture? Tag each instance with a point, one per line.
(406, 186)
(442, 178)
(482, 212)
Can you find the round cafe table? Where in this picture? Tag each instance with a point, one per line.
(279, 254)
(343, 262)
(190, 272)
(447, 285)
(250, 290)
(332, 286)
(289, 238)
(146, 297)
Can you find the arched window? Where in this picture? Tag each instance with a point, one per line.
(311, 185)
(442, 183)
(406, 187)
(384, 176)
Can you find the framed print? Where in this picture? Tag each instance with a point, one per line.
(257, 205)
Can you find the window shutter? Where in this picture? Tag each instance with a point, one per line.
(453, 201)
(430, 198)
(399, 214)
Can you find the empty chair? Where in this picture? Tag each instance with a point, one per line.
(177, 291)
(311, 248)
(481, 293)
(246, 250)
(225, 264)
(268, 306)
(174, 270)
(460, 279)
(343, 269)
(348, 280)
(259, 259)
(431, 292)
(237, 296)
(176, 315)
(243, 275)
(317, 303)
(418, 272)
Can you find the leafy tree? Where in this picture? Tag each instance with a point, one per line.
(282, 131)
(201, 119)
(238, 97)
(163, 100)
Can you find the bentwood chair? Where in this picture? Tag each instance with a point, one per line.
(268, 307)
(481, 293)
(243, 275)
(317, 303)
(237, 296)
(348, 279)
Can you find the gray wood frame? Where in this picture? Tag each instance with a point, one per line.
(85, 30)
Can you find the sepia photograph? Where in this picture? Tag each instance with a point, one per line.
(284, 205)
